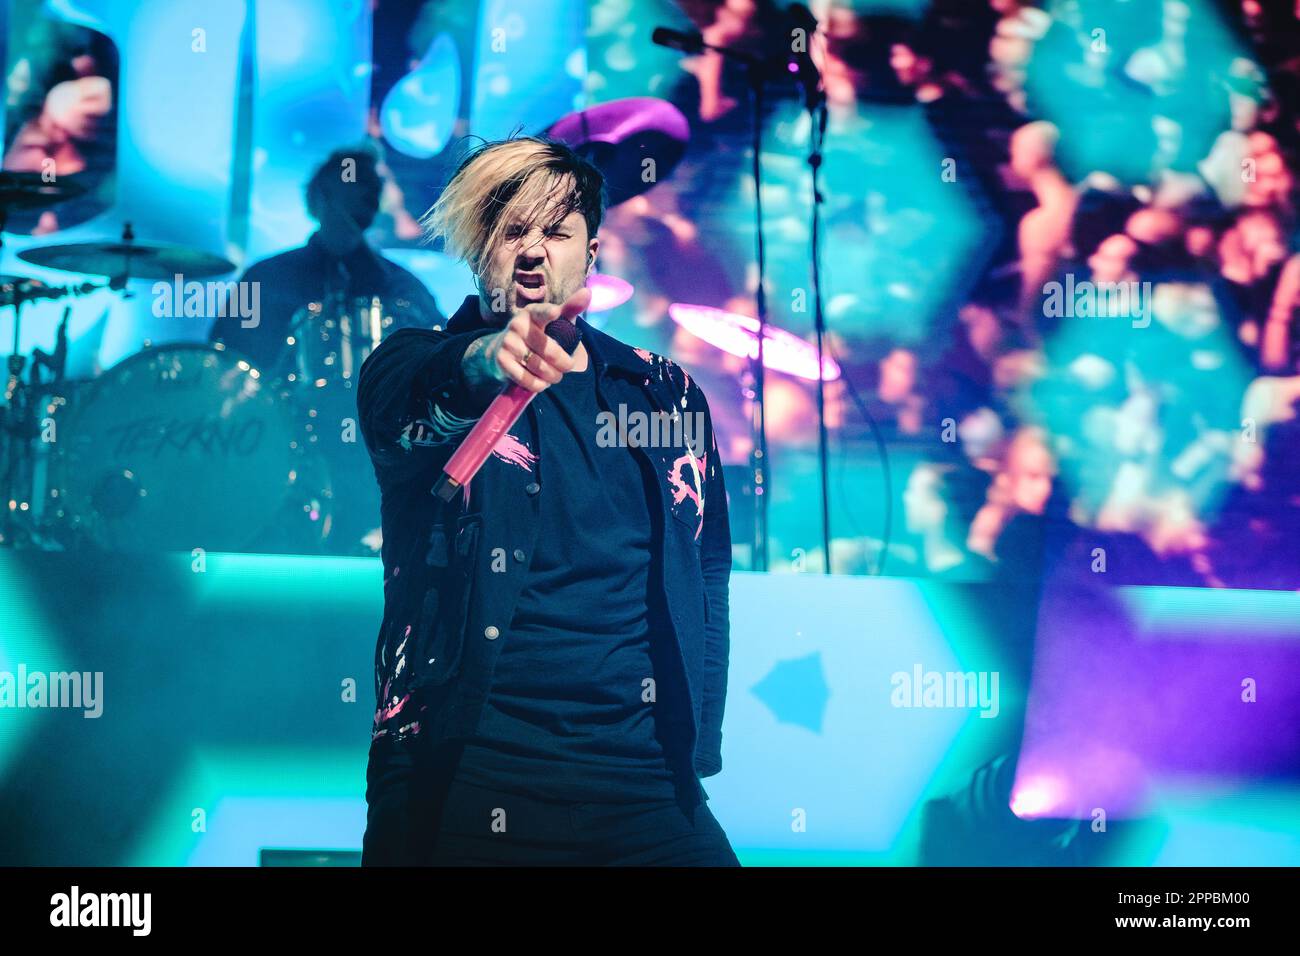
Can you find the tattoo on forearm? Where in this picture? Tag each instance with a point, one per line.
(473, 367)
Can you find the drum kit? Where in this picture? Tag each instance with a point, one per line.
(184, 445)
(188, 445)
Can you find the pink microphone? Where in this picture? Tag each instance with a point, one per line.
(496, 421)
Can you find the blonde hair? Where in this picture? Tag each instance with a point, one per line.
(520, 181)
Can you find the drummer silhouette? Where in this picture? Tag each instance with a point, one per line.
(336, 261)
(322, 307)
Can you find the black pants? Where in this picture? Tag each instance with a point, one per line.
(419, 814)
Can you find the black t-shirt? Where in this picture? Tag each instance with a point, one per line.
(571, 712)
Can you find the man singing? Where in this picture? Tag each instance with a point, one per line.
(551, 669)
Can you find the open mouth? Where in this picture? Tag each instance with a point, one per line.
(530, 286)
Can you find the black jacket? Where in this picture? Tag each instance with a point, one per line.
(444, 606)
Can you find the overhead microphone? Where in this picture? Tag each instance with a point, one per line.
(799, 17)
(686, 42)
(778, 64)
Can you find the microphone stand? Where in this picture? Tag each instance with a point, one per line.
(758, 456)
(817, 117)
(758, 71)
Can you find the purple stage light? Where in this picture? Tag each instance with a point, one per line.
(738, 335)
(607, 292)
(1135, 687)
(617, 121)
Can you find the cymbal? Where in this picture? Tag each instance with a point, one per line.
(32, 191)
(607, 292)
(619, 136)
(738, 334)
(128, 259)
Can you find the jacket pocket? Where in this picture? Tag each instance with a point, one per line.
(446, 608)
(467, 528)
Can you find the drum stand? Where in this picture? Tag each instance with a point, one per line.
(18, 436)
(20, 426)
(16, 427)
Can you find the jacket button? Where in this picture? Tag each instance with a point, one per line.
(532, 488)
(519, 554)
(491, 632)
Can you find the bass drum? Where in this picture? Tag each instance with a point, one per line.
(181, 447)
(328, 343)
